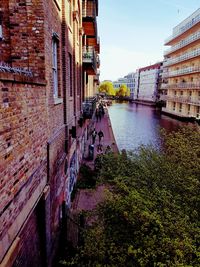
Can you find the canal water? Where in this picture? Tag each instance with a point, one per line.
(136, 124)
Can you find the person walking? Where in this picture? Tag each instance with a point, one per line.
(101, 135)
(97, 114)
(94, 134)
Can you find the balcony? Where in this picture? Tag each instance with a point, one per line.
(184, 26)
(96, 78)
(192, 38)
(89, 10)
(180, 72)
(90, 60)
(184, 57)
(181, 86)
(182, 99)
(98, 61)
(176, 113)
(89, 14)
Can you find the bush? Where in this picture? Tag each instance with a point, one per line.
(87, 177)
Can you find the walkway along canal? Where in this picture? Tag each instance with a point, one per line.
(136, 124)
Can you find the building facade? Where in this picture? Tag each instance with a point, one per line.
(182, 70)
(148, 83)
(129, 81)
(43, 130)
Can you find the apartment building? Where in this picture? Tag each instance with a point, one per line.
(181, 69)
(148, 83)
(129, 81)
(43, 130)
(91, 49)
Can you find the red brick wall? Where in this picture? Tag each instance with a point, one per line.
(23, 136)
(5, 44)
(23, 32)
(32, 125)
(32, 250)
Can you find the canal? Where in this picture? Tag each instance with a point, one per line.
(136, 124)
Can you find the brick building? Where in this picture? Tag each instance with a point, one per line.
(42, 128)
(181, 71)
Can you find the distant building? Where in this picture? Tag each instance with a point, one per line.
(182, 69)
(129, 81)
(148, 82)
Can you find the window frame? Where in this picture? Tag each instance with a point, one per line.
(55, 60)
(70, 75)
(1, 27)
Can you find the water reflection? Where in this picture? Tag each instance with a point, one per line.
(135, 124)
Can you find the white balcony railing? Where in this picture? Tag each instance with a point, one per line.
(180, 72)
(192, 38)
(185, 56)
(182, 99)
(185, 25)
(181, 86)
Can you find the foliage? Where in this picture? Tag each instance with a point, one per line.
(151, 216)
(107, 88)
(123, 91)
(87, 177)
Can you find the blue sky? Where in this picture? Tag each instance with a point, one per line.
(132, 32)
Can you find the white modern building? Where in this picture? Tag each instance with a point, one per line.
(129, 81)
(148, 83)
(182, 69)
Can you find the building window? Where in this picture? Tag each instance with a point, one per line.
(70, 74)
(174, 92)
(188, 109)
(190, 93)
(55, 65)
(1, 29)
(78, 79)
(198, 112)
(174, 106)
(181, 92)
(180, 107)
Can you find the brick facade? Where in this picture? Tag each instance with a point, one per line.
(38, 152)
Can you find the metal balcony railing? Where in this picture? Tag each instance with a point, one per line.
(90, 56)
(192, 38)
(181, 72)
(182, 99)
(185, 25)
(181, 86)
(185, 56)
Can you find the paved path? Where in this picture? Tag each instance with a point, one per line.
(105, 126)
(87, 199)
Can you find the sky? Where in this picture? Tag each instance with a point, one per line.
(132, 32)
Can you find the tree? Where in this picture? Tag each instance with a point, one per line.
(123, 91)
(107, 88)
(151, 215)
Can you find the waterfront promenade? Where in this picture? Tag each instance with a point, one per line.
(108, 140)
(87, 199)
